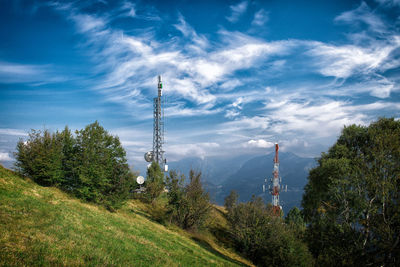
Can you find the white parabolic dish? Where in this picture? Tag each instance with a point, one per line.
(140, 179)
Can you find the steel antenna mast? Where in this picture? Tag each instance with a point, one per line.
(157, 154)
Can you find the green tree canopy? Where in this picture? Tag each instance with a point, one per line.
(352, 199)
(40, 157)
(101, 167)
(231, 200)
(154, 181)
(92, 165)
(188, 206)
(264, 237)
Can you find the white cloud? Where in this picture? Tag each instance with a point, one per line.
(5, 157)
(177, 151)
(179, 110)
(231, 113)
(260, 143)
(130, 62)
(389, 3)
(243, 124)
(344, 61)
(200, 41)
(86, 23)
(230, 84)
(27, 73)
(13, 132)
(129, 9)
(322, 119)
(260, 18)
(318, 119)
(364, 15)
(200, 79)
(237, 11)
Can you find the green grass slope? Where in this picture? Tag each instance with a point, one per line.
(44, 226)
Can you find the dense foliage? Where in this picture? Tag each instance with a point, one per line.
(352, 199)
(264, 237)
(154, 182)
(92, 165)
(188, 206)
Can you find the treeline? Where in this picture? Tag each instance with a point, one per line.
(351, 204)
(91, 164)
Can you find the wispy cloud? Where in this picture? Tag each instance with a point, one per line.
(129, 9)
(347, 60)
(237, 11)
(192, 150)
(260, 18)
(27, 73)
(389, 3)
(210, 77)
(363, 14)
(13, 132)
(190, 67)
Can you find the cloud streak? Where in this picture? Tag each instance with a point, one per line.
(237, 11)
(11, 72)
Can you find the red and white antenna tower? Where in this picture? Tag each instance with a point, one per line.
(276, 208)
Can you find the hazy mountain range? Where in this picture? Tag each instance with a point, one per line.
(246, 175)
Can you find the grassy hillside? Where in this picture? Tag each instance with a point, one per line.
(44, 226)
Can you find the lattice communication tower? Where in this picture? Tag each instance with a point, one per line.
(157, 154)
(276, 187)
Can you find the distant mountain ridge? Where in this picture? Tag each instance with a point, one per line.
(246, 175)
(215, 170)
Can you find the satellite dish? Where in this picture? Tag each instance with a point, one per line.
(140, 179)
(148, 156)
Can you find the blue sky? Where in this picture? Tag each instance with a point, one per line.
(238, 75)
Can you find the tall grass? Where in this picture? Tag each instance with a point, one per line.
(41, 226)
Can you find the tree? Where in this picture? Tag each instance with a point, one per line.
(188, 206)
(198, 202)
(294, 219)
(177, 204)
(231, 200)
(101, 168)
(40, 158)
(351, 201)
(68, 158)
(264, 237)
(154, 181)
(92, 166)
